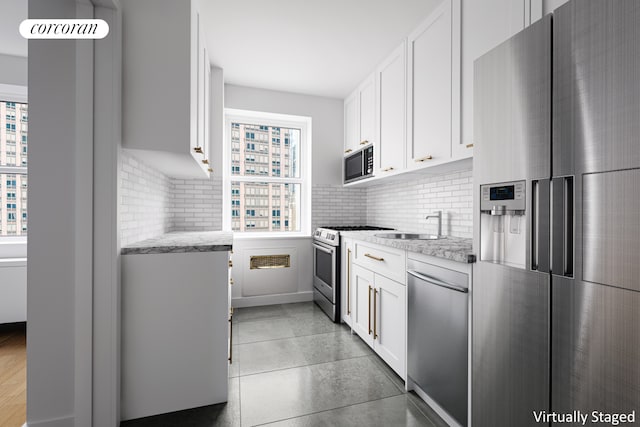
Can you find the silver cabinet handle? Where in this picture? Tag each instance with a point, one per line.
(437, 282)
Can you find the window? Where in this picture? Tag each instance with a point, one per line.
(267, 183)
(13, 168)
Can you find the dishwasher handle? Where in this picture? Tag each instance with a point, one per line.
(434, 281)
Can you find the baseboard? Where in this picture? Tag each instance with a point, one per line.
(56, 422)
(272, 299)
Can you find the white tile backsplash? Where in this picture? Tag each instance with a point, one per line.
(145, 201)
(403, 205)
(197, 204)
(336, 205)
(152, 203)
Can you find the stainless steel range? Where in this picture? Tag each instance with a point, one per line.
(326, 267)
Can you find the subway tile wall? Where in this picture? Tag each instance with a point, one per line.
(153, 204)
(145, 201)
(404, 205)
(197, 204)
(335, 205)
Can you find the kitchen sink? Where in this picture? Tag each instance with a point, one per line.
(408, 236)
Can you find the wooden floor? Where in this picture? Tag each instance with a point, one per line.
(13, 375)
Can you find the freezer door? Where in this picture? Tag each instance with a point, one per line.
(510, 345)
(595, 347)
(595, 324)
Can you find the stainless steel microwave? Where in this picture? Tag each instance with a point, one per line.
(358, 165)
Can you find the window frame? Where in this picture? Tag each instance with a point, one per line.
(273, 120)
(13, 246)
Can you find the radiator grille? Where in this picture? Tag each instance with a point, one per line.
(270, 261)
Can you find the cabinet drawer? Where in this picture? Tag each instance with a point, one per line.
(383, 260)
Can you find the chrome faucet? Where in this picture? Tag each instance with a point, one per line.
(439, 216)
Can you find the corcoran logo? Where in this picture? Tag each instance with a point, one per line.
(64, 29)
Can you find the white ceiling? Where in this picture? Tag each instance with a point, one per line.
(316, 47)
(12, 13)
(321, 47)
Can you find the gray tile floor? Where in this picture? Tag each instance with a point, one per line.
(293, 367)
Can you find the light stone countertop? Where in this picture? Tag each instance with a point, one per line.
(181, 242)
(452, 248)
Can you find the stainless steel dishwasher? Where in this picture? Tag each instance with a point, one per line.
(438, 335)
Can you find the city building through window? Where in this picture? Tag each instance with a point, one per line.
(13, 168)
(268, 172)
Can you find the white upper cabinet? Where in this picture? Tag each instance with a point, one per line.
(431, 116)
(367, 98)
(351, 123)
(165, 99)
(391, 79)
(360, 116)
(486, 24)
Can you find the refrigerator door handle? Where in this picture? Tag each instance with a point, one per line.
(562, 227)
(540, 225)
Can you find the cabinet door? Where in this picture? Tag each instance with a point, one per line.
(346, 293)
(361, 314)
(429, 110)
(390, 323)
(351, 123)
(367, 98)
(206, 143)
(485, 25)
(391, 112)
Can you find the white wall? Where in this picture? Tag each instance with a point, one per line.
(13, 70)
(60, 219)
(327, 122)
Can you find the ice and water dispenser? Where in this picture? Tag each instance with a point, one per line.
(503, 223)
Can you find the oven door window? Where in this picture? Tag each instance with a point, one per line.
(353, 166)
(324, 266)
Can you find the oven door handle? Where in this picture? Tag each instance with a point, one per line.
(323, 249)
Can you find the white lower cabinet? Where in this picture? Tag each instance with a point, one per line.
(363, 283)
(379, 315)
(389, 322)
(175, 332)
(346, 254)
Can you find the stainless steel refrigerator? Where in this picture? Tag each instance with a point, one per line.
(556, 293)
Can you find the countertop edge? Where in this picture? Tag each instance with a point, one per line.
(434, 248)
(182, 242)
(174, 249)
